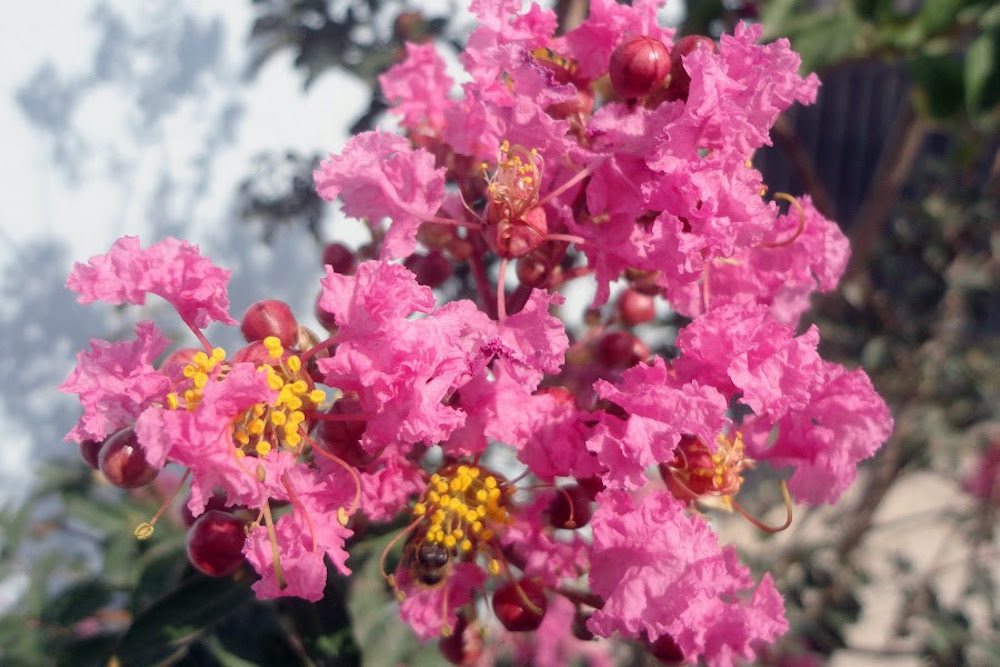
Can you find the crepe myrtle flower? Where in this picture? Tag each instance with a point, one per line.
(239, 424)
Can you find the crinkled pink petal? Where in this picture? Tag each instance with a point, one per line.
(172, 269)
(741, 347)
(545, 559)
(418, 88)
(423, 609)
(845, 422)
(662, 572)
(388, 490)
(116, 382)
(379, 175)
(661, 410)
(202, 440)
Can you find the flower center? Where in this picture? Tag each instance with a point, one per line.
(266, 426)
(697, 472)
(513, 189)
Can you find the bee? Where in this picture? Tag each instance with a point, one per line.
(429, 563)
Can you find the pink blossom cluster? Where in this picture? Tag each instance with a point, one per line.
(534, 166)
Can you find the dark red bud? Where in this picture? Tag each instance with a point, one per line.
(89, 450)
(534, 269)
(635, 307)
(122, 461)
(464, 645)
(511, 609)
(325, 318)
(270, 317)
(340, 258)
(432, 269)
(639, 66)
(666, 650)
(620, 350)
(215, 543)
(680, 80)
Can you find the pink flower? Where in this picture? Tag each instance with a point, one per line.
(742, 348)
(378, 175)
(305, 536)
(116, 382)
(402, 369)
(419, 88)
(388, 489)
(782, 278)
(661, 572)
(661, 410)
(426, 610)
(202, 440)
(844, 422)
(172, 269)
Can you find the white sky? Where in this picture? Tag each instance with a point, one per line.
(114, 165)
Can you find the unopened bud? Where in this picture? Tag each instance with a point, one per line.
(270, 317)
(639, 66)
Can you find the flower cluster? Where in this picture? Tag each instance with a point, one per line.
(611, 152)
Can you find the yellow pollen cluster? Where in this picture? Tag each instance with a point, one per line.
(198, 371)
(463, 504)
(266, 426)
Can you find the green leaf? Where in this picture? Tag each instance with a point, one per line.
(982, 73)
(168, 627)
(938, 15)
(939, 84)
(89, 652)
(79, 601)
(824, 39)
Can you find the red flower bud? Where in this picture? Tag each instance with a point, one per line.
(513, 610)
(215, 543)
(570, 508)
(122, 461)
(635, 307)
(639, 66)
(270, 318)
(431, 269)
(340, 258)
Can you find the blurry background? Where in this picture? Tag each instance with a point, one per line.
(203, 120)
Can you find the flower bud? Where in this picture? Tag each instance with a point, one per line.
(666, 650)
(464, 646)
(534, 269)
(639, 66)
(680, 80)
(620, 350)
(342, 438)
(325, 317)
(122, 461)
(270, 317)
(432, 269)
(635, 307)
(215, 543)
(89, 450)
(513, 611)
(340, 258)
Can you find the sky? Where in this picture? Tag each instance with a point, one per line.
(133, 118)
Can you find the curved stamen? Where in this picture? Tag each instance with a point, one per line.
(798, 230)
(770, 529)
(297, 505)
